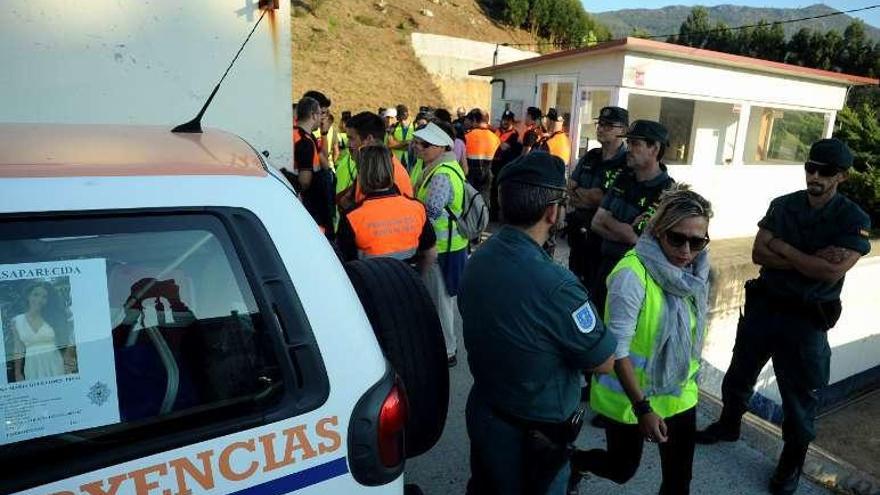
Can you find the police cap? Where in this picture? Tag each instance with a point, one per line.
(648, 129)
(508, 115)
(832, 152)
(613, 115)
(538, 168)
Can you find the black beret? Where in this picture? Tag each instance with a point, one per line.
(648, 129)
(538, 168)
(831, 152)
(614, 115)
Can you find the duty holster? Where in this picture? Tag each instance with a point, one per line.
(823, 315)
(547, 447)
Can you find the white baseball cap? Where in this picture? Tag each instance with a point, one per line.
(433, 134)
(390, 112)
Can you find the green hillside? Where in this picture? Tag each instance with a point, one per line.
(667, 20)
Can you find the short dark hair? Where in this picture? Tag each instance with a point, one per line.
(443, 114)
(402, 110)
(475, 115)
(345, 117)
(305, 107)
(523, 205)
(321, 98)
(534, 113)
(368, 124)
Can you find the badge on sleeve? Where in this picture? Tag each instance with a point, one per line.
(585, 318)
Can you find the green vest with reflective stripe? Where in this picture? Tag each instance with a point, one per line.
(416, 173)
(402, 137)
(607, 396)
(346, 172)
(443, 225)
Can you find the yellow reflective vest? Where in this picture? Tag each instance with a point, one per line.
(607, 396)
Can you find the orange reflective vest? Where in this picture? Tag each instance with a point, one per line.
(388, 226)
(299, 134)
(481, 144)
(558, 144)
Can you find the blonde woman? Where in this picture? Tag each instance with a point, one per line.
(656, 307)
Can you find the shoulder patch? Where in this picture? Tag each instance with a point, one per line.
(585, 318)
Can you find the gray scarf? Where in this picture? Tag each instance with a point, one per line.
(669, 363)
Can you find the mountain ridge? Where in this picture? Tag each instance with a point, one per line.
(666, 20)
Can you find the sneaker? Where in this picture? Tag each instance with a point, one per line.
(718, 432)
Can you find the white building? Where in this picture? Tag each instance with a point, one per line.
(740, 128)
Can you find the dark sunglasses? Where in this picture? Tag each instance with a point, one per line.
(677, 239)
(823, 170)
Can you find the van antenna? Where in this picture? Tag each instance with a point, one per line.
(195, 125)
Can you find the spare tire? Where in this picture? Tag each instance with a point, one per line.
(406, 325)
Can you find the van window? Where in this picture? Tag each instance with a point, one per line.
(165, 336)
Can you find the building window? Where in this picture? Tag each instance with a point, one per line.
(594, 102)
(558, 95)
(777, 136)
(674, 113)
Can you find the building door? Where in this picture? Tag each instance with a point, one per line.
(559, 92)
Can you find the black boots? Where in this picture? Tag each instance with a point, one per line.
(788, 471)
(719, 431)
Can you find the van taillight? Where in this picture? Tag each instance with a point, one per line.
(392, 420)
(376, 453)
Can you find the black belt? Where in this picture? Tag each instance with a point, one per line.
(564, 431)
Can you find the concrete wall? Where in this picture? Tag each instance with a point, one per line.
(105, 61)
(449, 60)
(855, 341)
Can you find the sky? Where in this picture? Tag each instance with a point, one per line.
(871, 17)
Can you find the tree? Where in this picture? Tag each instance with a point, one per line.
(798, 50)
(721, 39)
(694, 31)
(854, 59)
(638, 32)
(515, 12)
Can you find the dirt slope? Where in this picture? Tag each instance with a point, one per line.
(360, 55)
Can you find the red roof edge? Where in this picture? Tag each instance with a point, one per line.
(711, 56)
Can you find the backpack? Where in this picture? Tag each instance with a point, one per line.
(474, 213)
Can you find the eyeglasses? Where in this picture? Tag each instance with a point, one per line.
(418, 143)
(677, 239)
(821, 169)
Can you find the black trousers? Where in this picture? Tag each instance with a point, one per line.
(798, 345)
(625, 442)
(585, 246)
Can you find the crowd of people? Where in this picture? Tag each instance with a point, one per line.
(622, 328)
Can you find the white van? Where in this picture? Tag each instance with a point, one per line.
(174, 323)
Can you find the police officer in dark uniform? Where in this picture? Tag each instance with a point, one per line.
(527, 344)
(509, 149)
(590, 180)
(631, 200)
(806, 243)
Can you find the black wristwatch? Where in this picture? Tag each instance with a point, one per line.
(642, 407)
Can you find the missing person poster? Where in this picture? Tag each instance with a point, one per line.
(57, 349)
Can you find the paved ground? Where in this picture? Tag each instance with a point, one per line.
(725, 469)
(852, 433)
